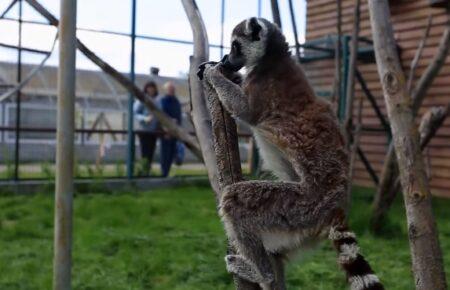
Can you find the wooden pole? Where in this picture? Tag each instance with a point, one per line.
(65, 147)
(426, 254)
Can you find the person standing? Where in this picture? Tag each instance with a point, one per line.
(171, 106)
(148, 125)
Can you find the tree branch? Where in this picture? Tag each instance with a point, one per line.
(418, 54)
(429, 125)
(200, 115)
(215, 128)
(431, 121)
(420, 91)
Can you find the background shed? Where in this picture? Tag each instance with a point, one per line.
(409, 18)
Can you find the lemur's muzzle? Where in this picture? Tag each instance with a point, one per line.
(229, 64)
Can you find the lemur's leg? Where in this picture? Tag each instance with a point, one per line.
(251, 265)
(252, 208)
(230, 93)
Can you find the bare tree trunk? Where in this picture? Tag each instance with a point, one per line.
(426, 254)
(430, 123)
(171, 127)
(215, 129)
(389, 173)
(200, 115)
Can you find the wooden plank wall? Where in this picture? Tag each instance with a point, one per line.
(409, 18)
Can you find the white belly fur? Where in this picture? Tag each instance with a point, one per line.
(287, 242)
(274, 160)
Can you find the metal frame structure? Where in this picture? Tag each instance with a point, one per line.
(133, 37)
(315, 50)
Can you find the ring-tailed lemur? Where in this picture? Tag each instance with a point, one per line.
(299, 139)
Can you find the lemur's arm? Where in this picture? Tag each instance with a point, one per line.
(230, 93)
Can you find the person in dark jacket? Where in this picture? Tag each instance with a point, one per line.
(148, 126)
(170, 105)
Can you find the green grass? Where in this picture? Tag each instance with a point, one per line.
(172, 239)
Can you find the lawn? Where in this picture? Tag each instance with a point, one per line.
(172, 239)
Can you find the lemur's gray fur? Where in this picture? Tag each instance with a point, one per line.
(299, 139)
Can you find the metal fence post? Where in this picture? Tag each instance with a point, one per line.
(19, 97)
(65, 147)
(343, 86)
(222, 22)
(259, 8)
(130, 128)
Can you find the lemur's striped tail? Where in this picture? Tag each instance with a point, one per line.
(359, 273)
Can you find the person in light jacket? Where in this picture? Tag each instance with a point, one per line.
(149, 125)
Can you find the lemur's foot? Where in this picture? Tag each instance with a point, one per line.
(203, 66)
(239, 266)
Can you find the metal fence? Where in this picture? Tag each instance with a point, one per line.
(27, 129)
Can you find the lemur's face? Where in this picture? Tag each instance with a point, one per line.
(248, 43)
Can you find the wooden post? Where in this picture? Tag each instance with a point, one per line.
(65, 147)
(215, 129)
(426, 254)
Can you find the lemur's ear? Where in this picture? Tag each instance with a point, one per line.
(255, 28)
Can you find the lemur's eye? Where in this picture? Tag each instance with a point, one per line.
(236, 46)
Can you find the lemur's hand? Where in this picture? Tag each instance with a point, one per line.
(203, 67)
